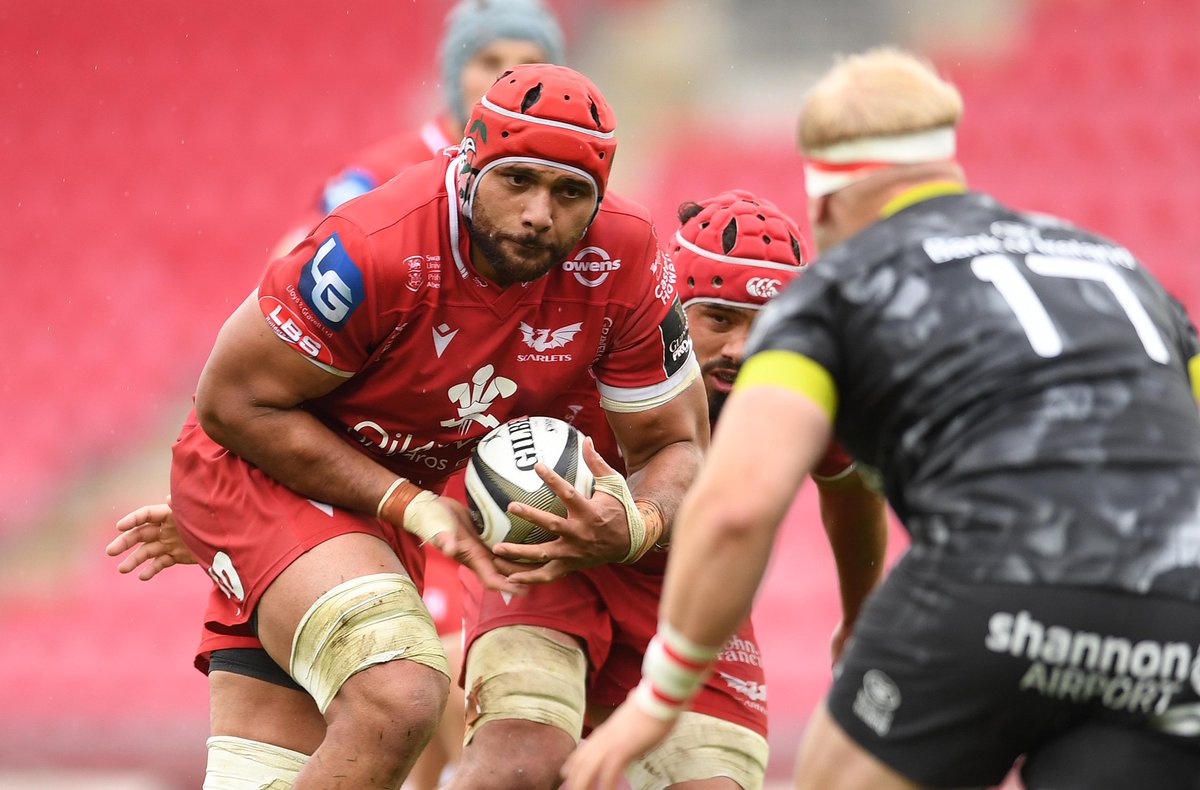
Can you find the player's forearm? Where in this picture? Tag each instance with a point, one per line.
(294, 448)
(718, 559)
(727, 523)
(855, 521)
(667, 476)
(664, 449)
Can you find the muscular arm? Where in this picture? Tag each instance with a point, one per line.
(663, 447)
(768, 439)
(855, 519)
(248, 400)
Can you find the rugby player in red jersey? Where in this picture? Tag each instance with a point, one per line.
(345, 391)
(481, 39)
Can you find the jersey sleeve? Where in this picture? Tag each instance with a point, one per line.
(1191, 346)
(649, 360)
(319, 298)
(834, 465)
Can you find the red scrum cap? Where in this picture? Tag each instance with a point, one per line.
(736, 249)
(542, 114)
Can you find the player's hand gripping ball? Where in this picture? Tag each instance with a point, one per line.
(501, 471)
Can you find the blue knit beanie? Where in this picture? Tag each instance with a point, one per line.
(473, 24)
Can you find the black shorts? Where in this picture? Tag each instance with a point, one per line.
(950, 682)
(252, 662)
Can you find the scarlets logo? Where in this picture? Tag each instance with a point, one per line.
(542, 339)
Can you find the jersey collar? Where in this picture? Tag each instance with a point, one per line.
(913, 195)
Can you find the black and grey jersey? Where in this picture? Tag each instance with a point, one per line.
(1021, 384)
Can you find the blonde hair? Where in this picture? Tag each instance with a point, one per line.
(881, 92)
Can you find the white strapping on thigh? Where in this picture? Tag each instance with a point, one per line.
(361, 622)
(520, 672)
(703, 747)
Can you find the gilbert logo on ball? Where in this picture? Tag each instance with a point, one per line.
(501, 471)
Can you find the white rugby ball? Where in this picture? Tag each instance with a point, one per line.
(501, 471)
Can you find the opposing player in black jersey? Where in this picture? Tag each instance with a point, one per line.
(1029, 392)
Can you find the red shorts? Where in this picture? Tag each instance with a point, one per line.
(443, 592)
(613, 609)
(244, 528)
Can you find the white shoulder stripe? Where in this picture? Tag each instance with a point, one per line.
(635, 399)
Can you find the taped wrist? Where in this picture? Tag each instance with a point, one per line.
(672, 672)
(643, 530)
(394, 501)
(656, 526)
(415, 510)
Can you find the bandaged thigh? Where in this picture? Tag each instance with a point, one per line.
(520, 672)
(702, 747)
(242, 764)
(365, 621)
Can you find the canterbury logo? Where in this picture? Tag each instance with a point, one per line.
(543, 339)
(763, 287)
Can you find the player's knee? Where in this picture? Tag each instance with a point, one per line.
(511, 754)
(361, 623)
(521, 672)
(393, 709)
(702, 747)
(243, 764)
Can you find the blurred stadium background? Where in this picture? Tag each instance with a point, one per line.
(153, 150)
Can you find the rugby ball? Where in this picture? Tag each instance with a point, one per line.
(501, 471)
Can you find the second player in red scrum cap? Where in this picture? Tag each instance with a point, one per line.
(736, 249)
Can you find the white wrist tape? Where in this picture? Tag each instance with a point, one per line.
(673, 670)
(426, 517)
(617, 487)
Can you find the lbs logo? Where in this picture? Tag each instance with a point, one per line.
(591, 266)
(763, 287)
(290, 327)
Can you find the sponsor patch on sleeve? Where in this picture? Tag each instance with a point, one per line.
(677, 344)
(292, 329)
(332, 284)
(1194, 372)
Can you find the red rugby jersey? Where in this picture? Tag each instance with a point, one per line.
(383, 293)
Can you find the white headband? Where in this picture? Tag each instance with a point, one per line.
(828, 169)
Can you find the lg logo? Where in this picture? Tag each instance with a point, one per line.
(329, 294)
(331, 283)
